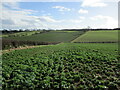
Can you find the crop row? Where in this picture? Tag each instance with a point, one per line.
(98, 36)
(52, 36)
(72, 66)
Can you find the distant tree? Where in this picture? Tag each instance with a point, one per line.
(27, 30)
(88, 27)
(5, 31)
(116, 29)
(20, 30)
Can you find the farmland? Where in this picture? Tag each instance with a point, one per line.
(69, 65)
(60, 45)
(39, 38)
(98, 36)
(66, 65)
(19, 34)
(52, 36)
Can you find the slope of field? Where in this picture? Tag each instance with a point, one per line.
(53, 36)
(63, 66)
(98, 36)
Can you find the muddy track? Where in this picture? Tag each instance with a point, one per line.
(19, 48)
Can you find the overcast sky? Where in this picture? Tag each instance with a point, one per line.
(59, 15)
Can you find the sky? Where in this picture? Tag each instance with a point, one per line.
(70, 14)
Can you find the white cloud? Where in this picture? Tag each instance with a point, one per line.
(14, 17)
(61, 8)
(75, 21)
(47, 19)
(109, 22)
(11, 0)
(82, 18)
(11, 5)
(83, 11)
(93, 3)
(54, 0)
(7, 21)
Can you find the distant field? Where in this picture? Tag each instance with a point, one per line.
(98, 36)
(65, 31)
(19, 34)
(52, 36)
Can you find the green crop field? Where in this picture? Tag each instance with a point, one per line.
(52, 36)
(66, 66)
(52, 45)
(98, 36)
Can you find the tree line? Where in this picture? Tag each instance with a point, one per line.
(5, 31)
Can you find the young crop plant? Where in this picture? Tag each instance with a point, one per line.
(64, 66)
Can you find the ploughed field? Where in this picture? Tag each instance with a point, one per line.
(69, 65)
